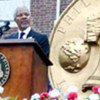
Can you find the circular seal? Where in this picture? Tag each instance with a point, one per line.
(74, 62)
(4, 69)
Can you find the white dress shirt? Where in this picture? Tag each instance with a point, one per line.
(26, 31)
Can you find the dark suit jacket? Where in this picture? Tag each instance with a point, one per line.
(41, 39)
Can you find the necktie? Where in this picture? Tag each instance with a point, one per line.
(21, 35)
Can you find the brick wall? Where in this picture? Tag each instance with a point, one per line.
(44, 14)
(64, 4)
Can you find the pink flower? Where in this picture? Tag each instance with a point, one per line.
(96, 89)
(72, 96)
(44, 95)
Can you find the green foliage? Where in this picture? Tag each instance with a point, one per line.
(13, 98)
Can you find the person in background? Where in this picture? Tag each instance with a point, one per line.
(23, 19)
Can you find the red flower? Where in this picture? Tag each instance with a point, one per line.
(44, 95)
(72, 96)
(95, 89)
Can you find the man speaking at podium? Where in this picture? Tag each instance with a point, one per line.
(22, 17)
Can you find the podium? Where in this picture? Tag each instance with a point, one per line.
(28, 67)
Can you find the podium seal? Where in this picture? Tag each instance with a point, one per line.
(4, 69)
(75, 47)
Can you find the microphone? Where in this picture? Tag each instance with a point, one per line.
(5, 27)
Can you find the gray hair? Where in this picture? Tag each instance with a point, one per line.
(18, 9)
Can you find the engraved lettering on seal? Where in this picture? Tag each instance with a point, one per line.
(4, 69)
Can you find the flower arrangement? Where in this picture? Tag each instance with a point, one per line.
(55, 94)
(95, 95)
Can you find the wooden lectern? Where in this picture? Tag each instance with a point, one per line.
(28, 68)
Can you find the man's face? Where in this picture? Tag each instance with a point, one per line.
(23, 19)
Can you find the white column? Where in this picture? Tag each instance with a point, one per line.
(57, 9)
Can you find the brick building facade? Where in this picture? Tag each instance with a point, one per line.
(44, 14)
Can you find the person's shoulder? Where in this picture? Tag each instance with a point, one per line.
(39, 34)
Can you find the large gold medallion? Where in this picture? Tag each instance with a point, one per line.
(75, 47)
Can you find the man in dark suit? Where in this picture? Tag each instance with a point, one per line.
(23, 19)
